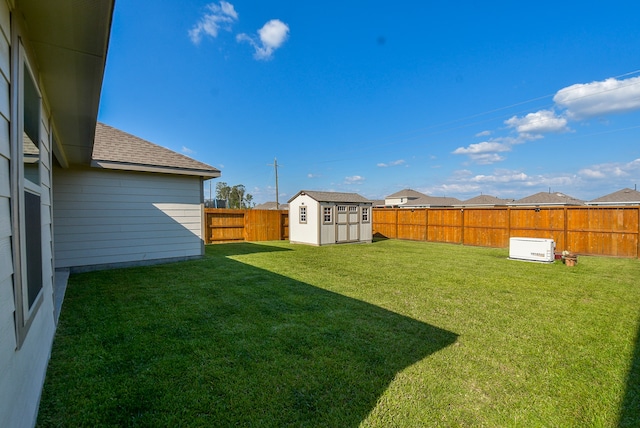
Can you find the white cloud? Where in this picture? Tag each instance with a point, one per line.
(354, 179)
(592, 173)
(218, 17)
(271, 36)
(484, 153)
(483, 134)
(186, 150)
(501, 176)
(585, 100)
(611, 170)
(394, 163)
(310, 175)
(540, 122)
(480, 148)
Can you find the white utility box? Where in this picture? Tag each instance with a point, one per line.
(532, 249)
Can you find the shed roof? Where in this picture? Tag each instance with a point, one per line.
(548, 198)
(332, 197)
(116, 149)
(622, 196)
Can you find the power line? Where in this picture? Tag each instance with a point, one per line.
(478, 115)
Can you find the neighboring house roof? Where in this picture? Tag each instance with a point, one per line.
(116, 149)
(271, 205)
(548, 198)
(432, 201)
(417, 200)
(378, 203)
(407, 193)
(485, 200)
(624, 196)
(332, 197)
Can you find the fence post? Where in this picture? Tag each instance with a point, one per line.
(396, 212)
(426, 224)
(508, 225)
(566, 228)
(462, 226)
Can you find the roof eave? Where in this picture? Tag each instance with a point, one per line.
(69, 42)
(207, 174)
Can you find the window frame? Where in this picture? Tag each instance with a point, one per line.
(27, 304)
(302, 214)
(365, 214)
(327, 211)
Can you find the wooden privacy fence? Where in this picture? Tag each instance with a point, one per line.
(224, 225)
(609, 231)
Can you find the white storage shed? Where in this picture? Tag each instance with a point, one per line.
(323, 218)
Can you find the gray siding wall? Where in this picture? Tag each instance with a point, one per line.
(7, 304)
(107, 218)
(22, 370)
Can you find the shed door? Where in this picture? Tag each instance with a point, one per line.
(347, 225)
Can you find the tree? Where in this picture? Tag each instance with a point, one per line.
(249, 198)
(236, 196)
(222, 191)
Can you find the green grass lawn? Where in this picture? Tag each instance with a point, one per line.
(389, 334)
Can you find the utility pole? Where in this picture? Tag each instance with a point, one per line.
(275, 166)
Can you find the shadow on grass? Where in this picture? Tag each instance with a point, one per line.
(217, 342)
(240, 248)
(379, 237)
(630, 408)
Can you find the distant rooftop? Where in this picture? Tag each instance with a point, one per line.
(407, 193)
(621, 197)
(485, 200)
(548, 198)
(271, 205)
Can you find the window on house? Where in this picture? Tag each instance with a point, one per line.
(365, 214)
(353, 209)
(342, 208)
(31, 130)
(31, 160)
(327, 211)
(26, 191)
(303, 214)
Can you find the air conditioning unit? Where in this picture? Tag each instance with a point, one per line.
(532, 249)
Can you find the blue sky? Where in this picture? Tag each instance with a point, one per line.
(446, 98)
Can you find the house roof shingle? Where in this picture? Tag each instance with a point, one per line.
(407, 193)
(417, 199)
(271, 205)
(433, 201)
(548, 198)
(332, 197)
(116, 149)
(622, 196)
(487, 200)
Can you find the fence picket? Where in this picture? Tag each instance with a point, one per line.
(608, 231)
